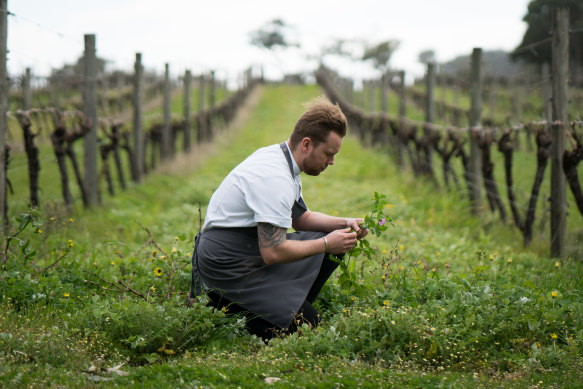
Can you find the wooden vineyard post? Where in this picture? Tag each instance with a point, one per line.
(55, 90)
(90, 111)
(350, 90)
(385, 91)
(402, 115)
(474, 168)
(402, 95)
(119, 85)
(212, 102)
(372, 103)
(187, 122)
(363, 95)
(430, 91)
(560, 69)
(138, 100)
(429, 111)
(3, 107)
(26, 92)
(166, 127)
(547, 91)
(201, 128)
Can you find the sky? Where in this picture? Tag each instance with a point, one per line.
(214, 34)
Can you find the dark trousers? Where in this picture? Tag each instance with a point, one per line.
(266, 330)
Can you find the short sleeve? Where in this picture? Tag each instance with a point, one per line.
(271, 199)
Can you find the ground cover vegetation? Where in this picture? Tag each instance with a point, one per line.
(439, 298)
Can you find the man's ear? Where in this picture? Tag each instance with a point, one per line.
(306, 143)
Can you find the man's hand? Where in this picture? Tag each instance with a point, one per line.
(354, 224)
(341, 241)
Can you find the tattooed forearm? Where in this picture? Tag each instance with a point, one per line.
(270, 235)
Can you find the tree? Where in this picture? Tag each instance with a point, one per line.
(380, 54)
(536, 43)
(426, 56)
(338, 48)
(272, 36)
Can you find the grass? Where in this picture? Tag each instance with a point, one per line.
(449, 300)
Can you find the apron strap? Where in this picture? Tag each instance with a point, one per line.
(285, 151)
(299, 205)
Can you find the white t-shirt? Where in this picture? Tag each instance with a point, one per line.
(260, 189)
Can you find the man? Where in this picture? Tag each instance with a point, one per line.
(244, 256)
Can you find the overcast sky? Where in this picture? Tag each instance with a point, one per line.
(214, 34)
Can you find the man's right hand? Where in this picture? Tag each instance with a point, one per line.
(341, 241)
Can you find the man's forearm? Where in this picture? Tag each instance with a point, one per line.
(292, 251)
(316, 221)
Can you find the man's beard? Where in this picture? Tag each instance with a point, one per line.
(310, 171)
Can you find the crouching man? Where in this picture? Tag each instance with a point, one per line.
(244, 257)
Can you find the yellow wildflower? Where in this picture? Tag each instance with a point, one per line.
(66, 294)
(554, 294)
(554, 336)
(509, 260)
(557, 264)
(158, 272)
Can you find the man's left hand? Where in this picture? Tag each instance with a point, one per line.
(354, 223)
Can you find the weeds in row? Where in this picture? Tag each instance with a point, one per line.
(129, 307)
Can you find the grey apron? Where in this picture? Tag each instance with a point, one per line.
(228, 261)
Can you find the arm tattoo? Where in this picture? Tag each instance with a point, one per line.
(270, 235)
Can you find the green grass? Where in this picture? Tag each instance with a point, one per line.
(449, 300)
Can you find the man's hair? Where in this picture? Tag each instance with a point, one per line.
(320, 117)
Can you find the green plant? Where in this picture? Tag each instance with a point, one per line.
(24, 220)
(147, 332)
(376, 224)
